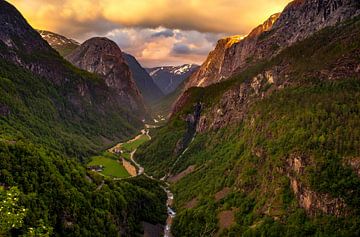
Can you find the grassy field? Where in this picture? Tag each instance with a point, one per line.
(130, 146)
(110, 162)
(111, 165)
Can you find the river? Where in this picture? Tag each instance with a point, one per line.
(141, 171)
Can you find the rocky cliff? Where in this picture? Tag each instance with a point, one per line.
(299, 20)
(143, 80)
(103, 57)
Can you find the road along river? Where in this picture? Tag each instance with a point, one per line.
(141, 171)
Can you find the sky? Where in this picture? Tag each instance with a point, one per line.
(156, 32)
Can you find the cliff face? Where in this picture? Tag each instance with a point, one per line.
(103, 57)
(211, 70)
(143, 80)
(299, 20)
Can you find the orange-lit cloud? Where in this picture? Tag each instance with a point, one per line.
(81, 19)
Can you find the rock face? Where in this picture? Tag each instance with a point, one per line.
(150, 91)
(311, 201)
(143, 80)
(103, 57)
(299, 20)
(169, 78)
(192, 121)
(229, 53)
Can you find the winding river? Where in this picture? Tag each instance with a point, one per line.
(141, 171)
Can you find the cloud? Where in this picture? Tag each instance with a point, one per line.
(164, 33)
(177, 48)
(181, 49)
(229, 16)
(156, 32)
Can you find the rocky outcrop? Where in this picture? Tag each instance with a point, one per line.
(313, 202)
(103, 57)
(234, 103)
(211, 70)
(299, 20)
(228, 54)
(192, 123)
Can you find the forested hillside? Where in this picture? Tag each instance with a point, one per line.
(276, 147)
(53, 116)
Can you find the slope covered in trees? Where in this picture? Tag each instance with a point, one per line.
(275, 147)
(53, 116)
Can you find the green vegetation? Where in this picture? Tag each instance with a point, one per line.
(295, 120)
(48, 131)
(132, 145)
(56, 194)
(65, 50)
(163, 107)
(313, 118)
(12, 214)
(112, 166)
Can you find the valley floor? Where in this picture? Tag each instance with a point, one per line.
(118, 163)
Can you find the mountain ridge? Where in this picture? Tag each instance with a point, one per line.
(168, 78)
(267, 150)
(275, 34)
(104, 57)
(144, 82)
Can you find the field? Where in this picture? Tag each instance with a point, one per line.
(111, 165)
(132, 145)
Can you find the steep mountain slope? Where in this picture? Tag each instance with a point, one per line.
(53, 115)
(217, 66)
(144, 82)
(150, 91)
(103, 57)
(60, 43)
(81, 98)
(168, 78)
(273, 150)
(299, 20)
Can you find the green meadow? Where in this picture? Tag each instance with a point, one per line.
(112, 167)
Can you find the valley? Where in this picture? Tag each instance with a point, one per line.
(127, 151)
(121, 133)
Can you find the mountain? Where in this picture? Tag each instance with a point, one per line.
(273, 150)
(267, 40)
(104, 57)
(53, 117)
(60, 43)
(168, 78)
(143, 80)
